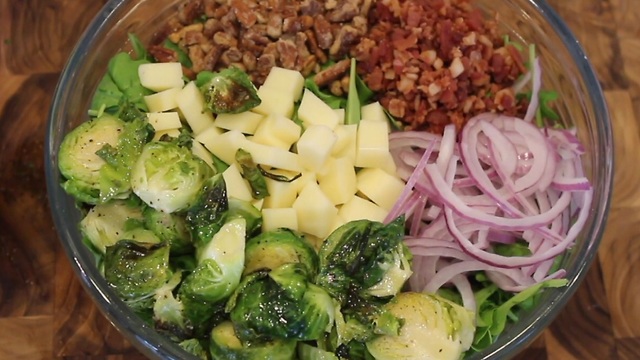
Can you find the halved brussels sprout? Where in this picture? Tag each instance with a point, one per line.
(434, 328)
(78, 161)
(171, 228)
(272, 249)
(136, 271)
(105, 223)
(280, 303)
(167, 177)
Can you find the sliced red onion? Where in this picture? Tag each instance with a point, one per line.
(504, 180)
(466, 292)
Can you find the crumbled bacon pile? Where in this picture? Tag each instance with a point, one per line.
(436, 62)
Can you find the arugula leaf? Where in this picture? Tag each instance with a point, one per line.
(120, 84)
(334, 102)
(183, 57)
(138, 47)
(495, 308)
(520, 248)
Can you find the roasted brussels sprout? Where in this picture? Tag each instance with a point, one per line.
(228, 91)
(280, 303)
(225, 344)
(136, 270)
(272, 249)
(434, 328)
(167, 177)
(217, 274)
(78, 161)
(208, 213)
(169, 227)
(105, 224)
(367, 253)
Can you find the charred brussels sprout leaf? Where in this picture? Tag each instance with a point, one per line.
(115, 175)
(366, 253)
(207, 214)
(195, 348)
(136, 270)
(274, 248)
(280, 303)
(168, 312)
(228, 91)
(168, 177)
(225, 344)
(250, 213)
(171, 228)
(252, 174)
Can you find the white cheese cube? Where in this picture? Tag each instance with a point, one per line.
(346, 142)
(174, 133)
(379, 186)
(273, 156)
(312, 111)
(208, 135)
(274, 102)
(288, 82)
(339, 181)
(373, 111)
(200, 151)
(245, 122)
(225, 145)
(314, 146)
(372, 143)
(164, 120)
(281, 194)
(163, 100)
(161, 76)
(237, 186)
(388, 164)
(191, 104)
(273, 219)
(358, 208)
(277, 130)
(341, 113)
(316, 213)
(306, 178)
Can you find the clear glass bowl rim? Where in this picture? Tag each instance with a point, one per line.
(154, 345)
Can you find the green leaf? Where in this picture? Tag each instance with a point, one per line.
(138, 47)
(252, 174)
(183, 58)
(352, 111)
(334, 102)
(120, 85)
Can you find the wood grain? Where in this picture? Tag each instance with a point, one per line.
(45, 313)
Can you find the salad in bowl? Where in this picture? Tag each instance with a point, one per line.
(351, 179)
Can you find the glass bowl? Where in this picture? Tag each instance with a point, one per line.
(566, 69)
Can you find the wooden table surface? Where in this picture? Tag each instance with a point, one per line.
(44, 312)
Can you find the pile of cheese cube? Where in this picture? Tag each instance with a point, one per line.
(347, 170)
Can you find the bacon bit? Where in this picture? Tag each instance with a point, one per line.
(404, 43)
